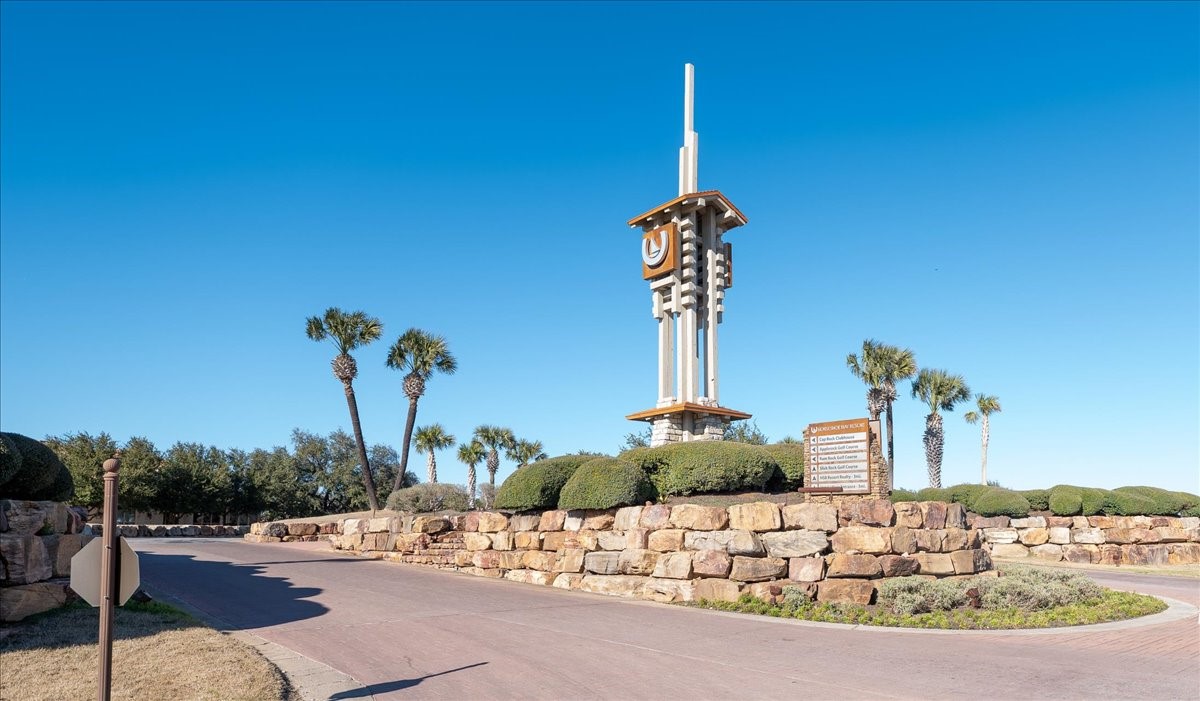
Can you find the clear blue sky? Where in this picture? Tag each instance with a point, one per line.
(1010, 189)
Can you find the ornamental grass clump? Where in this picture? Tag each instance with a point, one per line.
(537, 486)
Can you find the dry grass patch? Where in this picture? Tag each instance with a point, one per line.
(159, 653)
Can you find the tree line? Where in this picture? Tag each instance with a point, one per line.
(880, 366)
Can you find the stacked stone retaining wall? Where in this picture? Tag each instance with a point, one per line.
(831, 552)
(160, 531)
(37, 541)
(1102, 540)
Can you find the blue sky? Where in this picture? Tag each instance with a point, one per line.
(1010, 189)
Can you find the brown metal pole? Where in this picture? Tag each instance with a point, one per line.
(108, 571)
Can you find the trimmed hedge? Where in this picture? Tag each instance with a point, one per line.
(602, 483)
(1066, 500)
(899, 495)
(10, 458)
(537, 486)
(39, 474)
(790, 459)
(1061, 500)
(997, 501)
(1039, 499)
(934, 494)
(705, 467)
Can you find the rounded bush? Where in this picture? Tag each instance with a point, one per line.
(537, 486)
(41, 476)
(790, 458)
(933, 494)
(1066, 500)
(1039, 499)
(1165, 503)
(705, 467)
(429, 497)
(966, 494)
(997, 501)
(1093, 500)
(602, 483)
(899, 495)
(1119, 502)
(10, 458)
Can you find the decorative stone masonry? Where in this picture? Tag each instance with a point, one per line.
(37, 541)
(684, 552)
(162, 531)
(1103, 540)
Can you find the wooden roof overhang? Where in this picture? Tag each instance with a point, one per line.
(682, 407)
(731, 215)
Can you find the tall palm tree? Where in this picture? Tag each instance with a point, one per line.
(349, 331)
(495, 439)
(524, 452)
(431, 438)
(419, 354)
(869, 369)
(940, 390)
(896, 364)
(471, 454)
(987, 405)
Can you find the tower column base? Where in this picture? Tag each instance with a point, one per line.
(687, 422)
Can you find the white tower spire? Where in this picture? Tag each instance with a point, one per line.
(689, 154)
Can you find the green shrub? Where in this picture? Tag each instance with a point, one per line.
(1164, 502)
(10, 458)
(1039, 499)
(998, 501)
(906, 596)
(1030, 589)
(790, 458)
(933, 494)
(429, 497)
(1093, 500)
(537, 486)
(1123, 503)
(602, 483)
(40, 476)
(705, 467)
(966, 494)
(899, 495)
(1066, 500)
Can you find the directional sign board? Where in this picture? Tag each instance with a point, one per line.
(839, 455)
(85, 572)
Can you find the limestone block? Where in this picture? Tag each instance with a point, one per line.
(627, 518)
(806, 569)
(636, 538)
(477, 541)
(521, 522)
(637, 561)
(811, 517)
(1183, 554)
(745, 543)
(1059, 522)
(1093, 536)
(539, 560)
(655, 517)
(849, 591)
(568, 580)
(599, 521)
(1102, 522)
(588, 540)
(487, 559)
(864, 566)
(1081, 553)
(970, 561)
(430, 524)
(1188, 522)
(570, 560)
(982, 522)
(557, 540)
(1080, 522)
(1033, 536)
(1145, 554)
(757, 516)
(800, 543)
(1029, 522)
(665, 540)
(1171, 535)
(1060, 535)
(904, 539)
(61, 549)
(530, 577)
(669, 590)
(275, 529)
(34, 517)
(628, 586)
(772, 592)
(757, 569)
(956, 539)
(610, 540)
(677, 565)
(344, 542)
(935, 514)
(407, 542)
(349, 527)
(698, 518)
(898, 565)
(707, 540)
(717, 590)
(867, 512)
(939, 564)
(711, 563)
(18, 602)
(374, 525)
(956, 516)
(462, 558)
(1048, 551)
(490, 522)
(552, 520)
(375, 542)
(909, 514)
(23, 559)
(502, 540)
(1193, 534)
(574, 520)
(1009, 550)
(512, 559)
(524, 540)
(863, 539)
(1000, 535)
(933, 541)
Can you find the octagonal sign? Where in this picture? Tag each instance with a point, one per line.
(85, 572)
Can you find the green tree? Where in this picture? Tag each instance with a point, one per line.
(137, 482)
(471, 454)
(432, 438)
(637, 439)
(869, 369)
(524, 452)
(897, 364)
(987, 405)
(192, 479)
(419, 354)
(348, 332)
(283, 489)
(941, 391)
(743, 431)
(84, 455)
(495, 439)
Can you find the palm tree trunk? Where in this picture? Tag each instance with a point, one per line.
(934, 443)
(368, 479)
(985, 444)
(891, 447)
(493, 464)
(408, 429)
(471, 486)
(874, 402)
(431, 466)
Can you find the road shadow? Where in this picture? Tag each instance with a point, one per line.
(235, 596)
(398, 685)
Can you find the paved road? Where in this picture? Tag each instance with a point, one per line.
(409, 632)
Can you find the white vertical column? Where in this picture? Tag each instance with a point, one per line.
(711, 243)
(666, 359)
(689, 154)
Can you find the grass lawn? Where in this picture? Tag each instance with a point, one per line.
(159, 653)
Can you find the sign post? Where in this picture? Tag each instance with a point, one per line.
(839, 456)
(108, 575)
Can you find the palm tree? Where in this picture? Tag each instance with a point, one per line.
(495, 439)
(524, 452)
(987, 405)
(471, 454)
(419, 354)
(940, 390)
(349, 331)
(869, 369)
(430, 438)
(896, 364)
